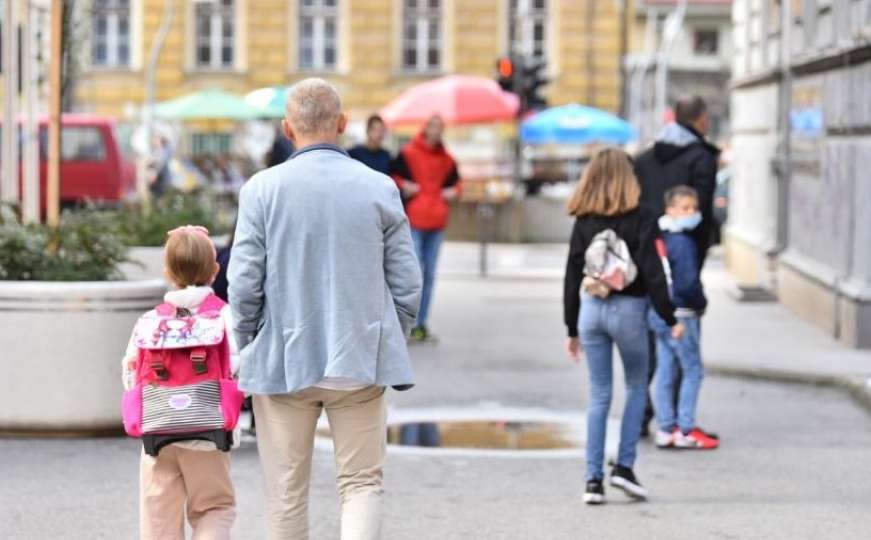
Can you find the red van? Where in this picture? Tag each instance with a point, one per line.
(93, 166)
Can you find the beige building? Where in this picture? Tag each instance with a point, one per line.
(371, 49)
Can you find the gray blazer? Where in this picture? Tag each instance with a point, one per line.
(323, 277)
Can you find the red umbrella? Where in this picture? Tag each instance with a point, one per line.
(458, 99)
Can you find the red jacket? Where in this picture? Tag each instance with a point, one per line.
(433, 169)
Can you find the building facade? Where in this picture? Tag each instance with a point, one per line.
(699, 62)
(801, 117)
(370, 49)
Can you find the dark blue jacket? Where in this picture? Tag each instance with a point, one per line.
(683, 257)
(378, 160)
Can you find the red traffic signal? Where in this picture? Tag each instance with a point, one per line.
(505, 67)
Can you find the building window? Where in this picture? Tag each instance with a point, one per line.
(706, 42)
(318, 30)
(773, 10)
(215, 34)
(110, 33)
(527, 28)
(421, 35)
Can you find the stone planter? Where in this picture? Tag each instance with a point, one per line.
(62, 345)
(148, 263)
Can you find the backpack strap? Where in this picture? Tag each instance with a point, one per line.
(165, 309)
(211, 303)
(159, 366)
(198, 359)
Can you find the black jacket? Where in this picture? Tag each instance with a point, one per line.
(680, 156)
(639, 230)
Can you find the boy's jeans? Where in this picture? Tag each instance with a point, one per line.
(672, 354)
(427, 245)
(617, 320)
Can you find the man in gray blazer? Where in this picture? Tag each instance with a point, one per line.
(324, 287)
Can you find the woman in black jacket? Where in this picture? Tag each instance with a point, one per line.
(607, 199)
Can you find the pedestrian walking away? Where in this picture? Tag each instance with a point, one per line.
(429, 180)
(680, 156)
(373, 153)
(677, 425)
(184, 467)
(612, 257)
(322, 320)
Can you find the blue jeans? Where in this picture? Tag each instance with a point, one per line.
(674, 356)
(427, 245)
(622, 321)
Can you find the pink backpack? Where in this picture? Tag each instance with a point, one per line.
(184, 388)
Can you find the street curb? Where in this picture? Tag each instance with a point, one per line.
(857, 387)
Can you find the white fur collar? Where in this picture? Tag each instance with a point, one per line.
(188, 298)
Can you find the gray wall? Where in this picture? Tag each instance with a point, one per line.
(807, 234)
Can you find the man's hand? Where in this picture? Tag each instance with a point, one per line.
(678, 330)
(573, 349)
(410, 189)
(450, 194)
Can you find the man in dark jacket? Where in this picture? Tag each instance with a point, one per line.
(372, 153)
(680, 156)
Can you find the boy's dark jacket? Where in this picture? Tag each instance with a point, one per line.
(683, 258)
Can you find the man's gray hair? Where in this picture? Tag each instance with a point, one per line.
(313, 107)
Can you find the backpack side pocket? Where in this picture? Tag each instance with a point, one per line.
(131, 411)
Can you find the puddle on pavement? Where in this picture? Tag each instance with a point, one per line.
(493, 435)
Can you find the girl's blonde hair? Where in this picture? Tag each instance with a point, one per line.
(608, 186)
(189, 256)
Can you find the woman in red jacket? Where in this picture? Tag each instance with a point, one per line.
(428, 178)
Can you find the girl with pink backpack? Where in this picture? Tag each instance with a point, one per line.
(181, 397)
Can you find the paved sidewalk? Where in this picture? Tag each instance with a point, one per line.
(786, 469)
(756, 340)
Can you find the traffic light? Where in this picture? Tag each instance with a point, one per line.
(505, 73)
(532, 79)
(524, 77)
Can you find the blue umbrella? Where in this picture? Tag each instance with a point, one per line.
(575, 124)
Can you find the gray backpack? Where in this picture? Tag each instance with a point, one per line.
(608, 265)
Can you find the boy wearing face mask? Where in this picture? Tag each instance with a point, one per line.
(677, 425)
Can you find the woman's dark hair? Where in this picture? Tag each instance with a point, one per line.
(372, 120)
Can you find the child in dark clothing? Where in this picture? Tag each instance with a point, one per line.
(677, 428)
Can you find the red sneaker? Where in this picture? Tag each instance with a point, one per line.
(696, 439)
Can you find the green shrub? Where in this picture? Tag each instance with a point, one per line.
(138, 228)
(85, 247)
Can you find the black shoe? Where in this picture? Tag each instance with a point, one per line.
(595, 493)
(623, 478)
(645, 430)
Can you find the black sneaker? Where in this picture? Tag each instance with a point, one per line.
(595, 493)
(623, 478)
(645, 430)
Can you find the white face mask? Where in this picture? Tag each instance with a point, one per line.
(688, 223)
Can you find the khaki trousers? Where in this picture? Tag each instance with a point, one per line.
(182, 477)
(285, 437)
